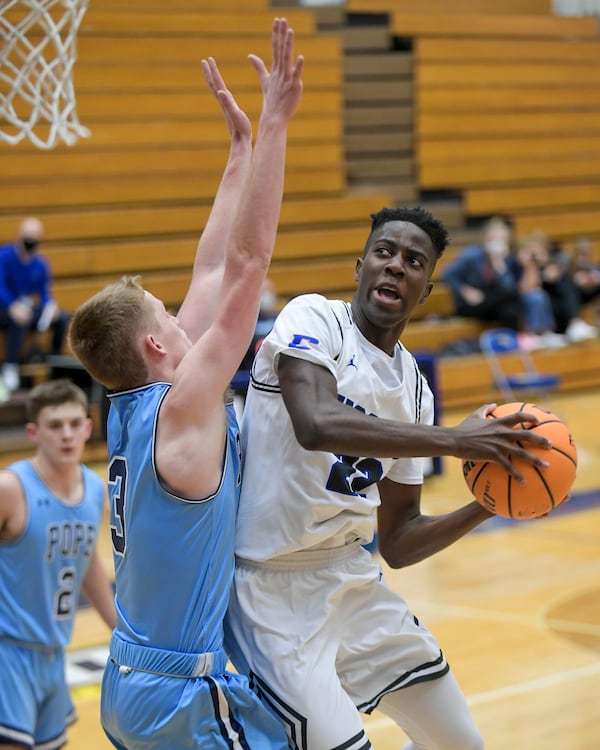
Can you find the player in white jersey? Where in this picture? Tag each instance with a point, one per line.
(336, 420)
(173, 448)
(51, 509)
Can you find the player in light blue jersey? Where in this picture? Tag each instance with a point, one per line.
(51, 509)
(336, 421)
(174, 457)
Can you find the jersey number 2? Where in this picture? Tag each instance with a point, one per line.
(351, 474)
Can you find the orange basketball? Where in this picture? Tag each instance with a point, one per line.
(544, 489)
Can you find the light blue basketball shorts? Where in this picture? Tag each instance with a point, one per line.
(35, 705)
(153, 699)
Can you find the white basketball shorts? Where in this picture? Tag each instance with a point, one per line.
(322, 637)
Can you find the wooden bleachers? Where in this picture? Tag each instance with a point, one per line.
(185, 5)
(511, 7)
(507, 116)
(493, 98)
(144, 96)
(139, 19)
(508, 111)
(514, 124)
(134, 196)
(116, 189)
(156, 158)
(379, 111)
(448, 23)
(466, 380)
(90, 248)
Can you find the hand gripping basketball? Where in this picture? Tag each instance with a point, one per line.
(545, 488)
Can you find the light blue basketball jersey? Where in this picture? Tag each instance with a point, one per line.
(173, 556)
(41, 572)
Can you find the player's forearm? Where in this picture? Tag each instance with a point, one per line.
(340, 429)
(197, 311)
(259, 208)
(213, 241)
(427, 535)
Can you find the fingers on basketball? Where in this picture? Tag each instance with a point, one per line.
(544, 488)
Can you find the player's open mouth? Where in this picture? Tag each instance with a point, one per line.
(387, 293)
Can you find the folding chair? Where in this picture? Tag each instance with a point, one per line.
(498, 345)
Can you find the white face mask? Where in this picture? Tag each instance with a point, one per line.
(267, 300)
(496, 248)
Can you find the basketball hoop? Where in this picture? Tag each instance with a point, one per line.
(36, 65)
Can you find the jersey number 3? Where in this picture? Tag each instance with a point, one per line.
(117, 484)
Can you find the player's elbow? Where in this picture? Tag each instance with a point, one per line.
(390, 555)
(309, 438)
(395, 559)
(396, 553)
(310, 432)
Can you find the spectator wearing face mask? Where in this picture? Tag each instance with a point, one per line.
(26, 301)
(482, 283)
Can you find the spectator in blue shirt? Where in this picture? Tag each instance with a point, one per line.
(26, 301)
(481, 280)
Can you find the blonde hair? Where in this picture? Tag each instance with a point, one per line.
(496, 223)
(104, 334)
(537, 239)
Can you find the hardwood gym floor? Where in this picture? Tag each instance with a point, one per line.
(515, 606)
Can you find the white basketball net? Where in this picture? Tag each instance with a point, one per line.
(36, 65)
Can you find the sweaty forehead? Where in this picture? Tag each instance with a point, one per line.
(403, 234)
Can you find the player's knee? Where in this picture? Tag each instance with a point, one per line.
(465, 741)
(470, 739)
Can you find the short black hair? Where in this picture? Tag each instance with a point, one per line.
(420, 217)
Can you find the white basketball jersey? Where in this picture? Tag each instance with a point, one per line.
(293, 499)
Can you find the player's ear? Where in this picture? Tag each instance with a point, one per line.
(31, 430)
(426, 293)
(152, 344)
(357, 268)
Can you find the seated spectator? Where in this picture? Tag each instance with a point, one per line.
(26, 301)
(481, 281)
(558, 282)
(585, 272)
(538, 325)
